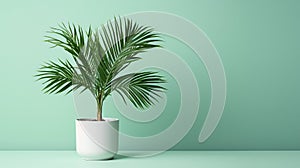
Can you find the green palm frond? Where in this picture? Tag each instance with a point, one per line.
(99, 56)
(122, 41)
(58, 77)
(74, 38)
(140, 88)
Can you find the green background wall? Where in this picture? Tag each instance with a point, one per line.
(258, 42)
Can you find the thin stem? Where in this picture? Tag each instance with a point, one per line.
(99, 106)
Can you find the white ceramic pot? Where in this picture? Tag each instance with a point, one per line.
(97, 140)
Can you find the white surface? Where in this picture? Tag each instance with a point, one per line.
(170, 159)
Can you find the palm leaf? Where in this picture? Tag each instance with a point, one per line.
(59, 77)
(99, 56)
(140, 88)
(122, 41)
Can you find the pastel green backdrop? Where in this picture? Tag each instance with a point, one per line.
(258, 42)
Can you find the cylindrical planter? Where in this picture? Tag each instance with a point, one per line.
(97, 140)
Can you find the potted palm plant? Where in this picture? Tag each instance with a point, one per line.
(98, 57)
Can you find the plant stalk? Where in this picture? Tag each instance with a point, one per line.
(99, 107)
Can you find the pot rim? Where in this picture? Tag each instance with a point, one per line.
(94, 120)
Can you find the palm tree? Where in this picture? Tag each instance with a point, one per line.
(99, 56)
